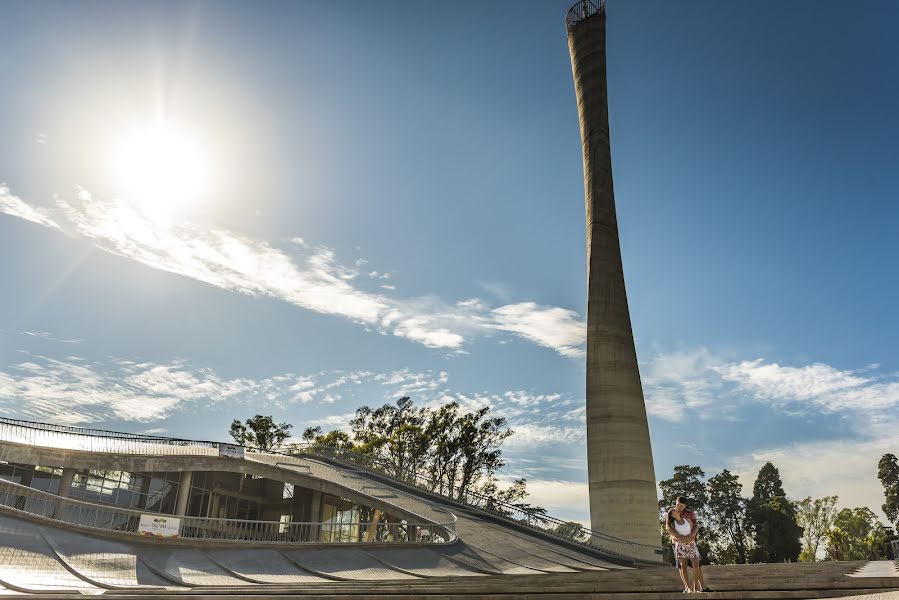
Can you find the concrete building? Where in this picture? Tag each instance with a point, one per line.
(621, 475)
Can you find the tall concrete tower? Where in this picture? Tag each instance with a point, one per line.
(619, 456)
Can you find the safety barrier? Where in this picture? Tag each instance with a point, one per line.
(110, 518)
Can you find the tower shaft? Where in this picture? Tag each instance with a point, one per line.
(622, 479)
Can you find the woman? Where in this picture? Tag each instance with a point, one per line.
(683, 527)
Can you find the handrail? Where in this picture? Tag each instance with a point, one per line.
(504, 510)
(102, 441)
(105, 517)
(583, 10)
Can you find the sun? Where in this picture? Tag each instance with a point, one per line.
(163, 170)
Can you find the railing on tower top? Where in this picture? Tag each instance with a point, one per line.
(102, 441)
(583, 10)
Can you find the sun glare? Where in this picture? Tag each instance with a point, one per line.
(165, 171)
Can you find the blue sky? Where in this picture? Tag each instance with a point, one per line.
(392, 202)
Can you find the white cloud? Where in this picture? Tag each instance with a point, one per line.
(528, 435)
(78, 391)
(549, 326)
(681, 382)
(45, 335)
(817, 385)
(316, 281)
(15, 207)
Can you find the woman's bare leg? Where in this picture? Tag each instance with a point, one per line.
(683, 574)
(698, 581)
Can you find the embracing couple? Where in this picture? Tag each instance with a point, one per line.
(683, 526)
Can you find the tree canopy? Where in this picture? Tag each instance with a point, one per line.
(888, 473)
(773, 517)
(260, 432)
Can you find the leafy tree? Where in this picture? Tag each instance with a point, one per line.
(572, 530)
(816, 518)
(688, 482)
(394, 434)
(480, 436)
(260, 432)
(459, 451)
(856, 535)
(444, 431)
(727, 515)
(888, 473)
(340, 440)
(773, 519)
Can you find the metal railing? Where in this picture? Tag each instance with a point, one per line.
(127, 521)
(583, 10)
(102, 441)
(35, 433)
(895, 546)
(520, 515)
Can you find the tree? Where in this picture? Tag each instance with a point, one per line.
(459, 452)
(394, 435)
(727, 515)
(480, 436)
(572, 530)
(260, 432)
(335, 438)
(857, 534)
(687, 482)
(816, 518)
(773, 519)
(888, 473)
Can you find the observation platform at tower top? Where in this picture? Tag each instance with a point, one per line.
(583, 10)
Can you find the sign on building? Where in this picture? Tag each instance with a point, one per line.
(159, 526)
(231, 451)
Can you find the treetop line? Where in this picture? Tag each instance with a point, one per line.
(461, 452)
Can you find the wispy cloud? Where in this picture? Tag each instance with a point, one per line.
(688, 382)
(310, 277)
(679, 383)
(549, 326)
(817, 385)
(528, 435)
(14, 206)
(46, 335)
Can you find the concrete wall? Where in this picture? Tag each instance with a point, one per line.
(622, 480)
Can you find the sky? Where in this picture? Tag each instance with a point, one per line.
(210, 210)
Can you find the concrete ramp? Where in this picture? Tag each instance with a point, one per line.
(28, 564)
(556, 553)
(187, 566)
(344, 563)
(423, 562)
(106, 563)
(264, 566)
(500, 545)
(484, 561)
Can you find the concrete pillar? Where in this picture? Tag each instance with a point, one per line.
(65, 488)
(619, 456)
(372, 529)
(183, 493)
(315, 516)
(65, 482)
